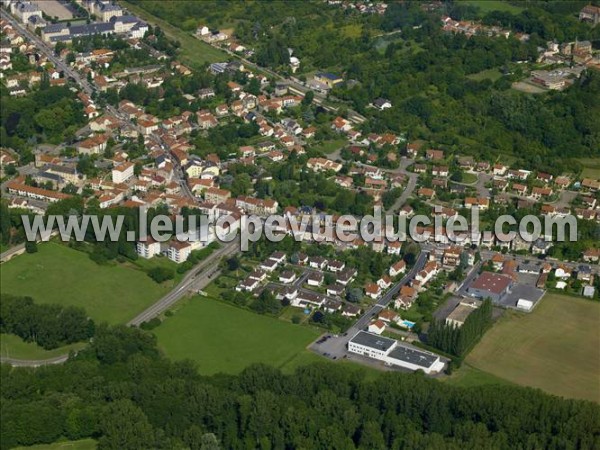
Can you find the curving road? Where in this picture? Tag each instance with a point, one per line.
(34, 362)
(198, 278)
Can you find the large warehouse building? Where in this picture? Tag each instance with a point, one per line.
(391, 352)
(491, 285)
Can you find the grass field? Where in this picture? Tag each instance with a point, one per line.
(58, 274)
(486, 6)
(223, 338)
(12, 346)
(591, 167)
(468, 376)
(489, 74)
(83, 444)
(554, 348)
(193, 51)
(330, 146)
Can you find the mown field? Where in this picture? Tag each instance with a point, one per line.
(223, 338)
(591, 168)
(554, 348)
(58, 274)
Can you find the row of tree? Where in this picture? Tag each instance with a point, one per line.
(459, 340)
(49, 326)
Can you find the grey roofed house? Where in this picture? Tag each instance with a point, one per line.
(55, 27)
(588, 291)
(373, 341)
(37, 20)
(105, 7)
(527, 267)
(60, 169)
(413, 356)
(382, 103)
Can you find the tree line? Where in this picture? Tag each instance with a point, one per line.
(123, 393)
(459, 340)
(49, 326)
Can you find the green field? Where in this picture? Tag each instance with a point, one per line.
(223, 338)
(554, 348)
(591, 168)
(12, 346)
(330, 146)
(486, 6)
(193, 51)
(83, 444)
(468, 376)
(489, 74)
(58, 274)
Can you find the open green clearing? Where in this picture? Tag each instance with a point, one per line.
(489, 74)
(83, 444)
(468, 376)
(58, 274)
(591, 167)
(554, 348)
(486, 6)
(12, 346)
(224, 338)
(330, 146)
(193, 51)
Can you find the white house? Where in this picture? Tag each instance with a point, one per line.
(122, 172)
(377, 327)
(148, 249)
(397, 269)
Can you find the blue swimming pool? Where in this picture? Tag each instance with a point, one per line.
(407, 324)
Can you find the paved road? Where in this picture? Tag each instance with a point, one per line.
(196, 279)
(33, 362)
(49, 52)
(336, 347)
(17, 249)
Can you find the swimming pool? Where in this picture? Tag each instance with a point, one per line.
(407, 324)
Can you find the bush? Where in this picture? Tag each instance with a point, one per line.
(31, 247)
(151, 324)
(160, 274)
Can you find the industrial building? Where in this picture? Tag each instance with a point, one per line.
(394, 354)
(491, 285)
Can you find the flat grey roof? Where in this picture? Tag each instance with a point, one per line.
(413, 356)
(372, 340)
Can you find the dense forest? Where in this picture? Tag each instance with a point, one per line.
(122, 392)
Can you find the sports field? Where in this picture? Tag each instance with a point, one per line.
(223, 338)
(58, 274)
(554, 348)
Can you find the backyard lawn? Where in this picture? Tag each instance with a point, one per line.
(58, 274)
(223, 338)
(554, 348)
